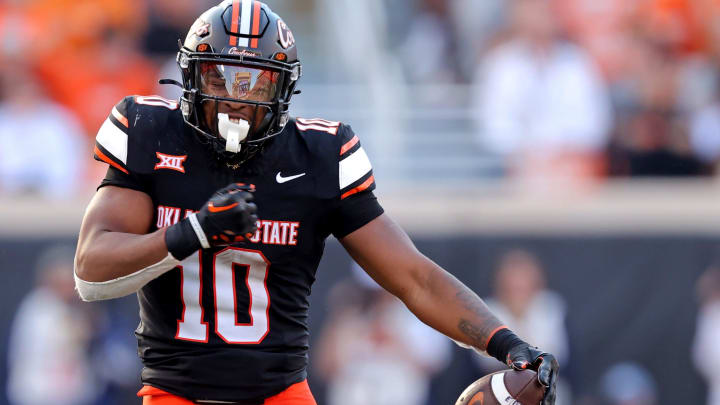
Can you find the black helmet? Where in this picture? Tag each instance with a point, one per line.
(238, 54)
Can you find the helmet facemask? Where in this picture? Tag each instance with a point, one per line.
(236, 106)
(236, 101)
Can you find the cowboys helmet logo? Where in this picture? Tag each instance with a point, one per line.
(286, 36)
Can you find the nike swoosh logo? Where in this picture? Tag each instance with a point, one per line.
(213, 208)
(280, 179)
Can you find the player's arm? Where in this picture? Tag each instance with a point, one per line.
(437, 298)
(113, 240)
(116, 255)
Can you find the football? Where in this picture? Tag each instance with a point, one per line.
(507, 387)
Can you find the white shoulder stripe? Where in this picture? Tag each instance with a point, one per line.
(330, 130)
(113, 140)
(308, 121)
(354, 167)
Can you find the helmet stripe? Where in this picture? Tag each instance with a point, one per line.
(255, 24)
(234, 23)
(245, 15)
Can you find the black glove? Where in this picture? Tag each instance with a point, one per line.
(524, 356)
(227, 217)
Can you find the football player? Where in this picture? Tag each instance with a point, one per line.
(215, 210)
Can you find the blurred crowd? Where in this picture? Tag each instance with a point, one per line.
(64, 64)
(66, 352)
(576, 89)
(572, 89)
(581, 87)
(373, 350)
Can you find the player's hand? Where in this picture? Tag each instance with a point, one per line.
(227, 217)
(527, 357)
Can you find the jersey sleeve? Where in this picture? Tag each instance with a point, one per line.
(124, 144)
(112, 139)
(356, 203)
(117, 178)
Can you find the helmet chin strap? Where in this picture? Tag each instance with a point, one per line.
(232, 132)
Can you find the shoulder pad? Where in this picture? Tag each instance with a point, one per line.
(338, 153)
(130, 134)
(355, 173)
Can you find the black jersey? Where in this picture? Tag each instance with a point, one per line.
(231, 324)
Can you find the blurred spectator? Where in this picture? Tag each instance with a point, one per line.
(705, 133)
(684, 25)
(430, 49)
(536, 314)
(374, 351)
(31, 29)
(541, 101)
(42, 146)
(47, 353)
(168, 22)
(92, 79)
(478, 25)
(705, 349)
(19, 30)
(113, 352)
(609, 38)
(628, 384)
(651, 138)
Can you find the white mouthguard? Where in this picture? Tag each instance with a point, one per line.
(232, 132)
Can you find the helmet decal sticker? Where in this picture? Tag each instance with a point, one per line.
(285, 35)
(243, 52)
(241, 85)
(203, 30)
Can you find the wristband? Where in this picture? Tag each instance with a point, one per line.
(501, 342)
(181, 239)
(198, 231)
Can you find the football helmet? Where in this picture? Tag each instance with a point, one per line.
(239, 68)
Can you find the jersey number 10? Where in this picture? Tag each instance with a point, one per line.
(191, 326)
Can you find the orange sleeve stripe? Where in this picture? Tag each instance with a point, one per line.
(120, 117)
(349, 144)
(496, 330)
(109, 161)
(234, 24)
(367, 183)
(255, 24)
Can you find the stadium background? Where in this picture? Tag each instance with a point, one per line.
(608, 182)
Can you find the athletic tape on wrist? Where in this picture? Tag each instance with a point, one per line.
(198, 231)
(122, 286)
